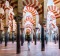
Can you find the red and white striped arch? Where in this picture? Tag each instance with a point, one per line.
(30, 20)
(55, 10)
(53, 26)
(30, 14)
(11, 17)
(31, 10)
(51, 21)
(1, 17)
(2, 4)
(13, 3)
(28, 26)
(56, 1)
(11, 14)
(33, 3)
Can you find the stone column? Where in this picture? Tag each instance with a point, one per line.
(18, 19)
(42, 39)
(18, 38)
(12, 30)
(59, 35)
(6, 35)
(1, 36)
(35, 37)
(6, 21)
(42, 30)
(13, 36)
(0, 31)
(22, 37)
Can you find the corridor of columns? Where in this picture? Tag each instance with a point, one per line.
(37, 18)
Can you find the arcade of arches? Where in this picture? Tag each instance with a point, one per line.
(35, 15)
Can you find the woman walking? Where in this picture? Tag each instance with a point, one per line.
(28, 38)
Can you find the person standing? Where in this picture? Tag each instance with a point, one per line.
(35, 39)
(55, 39)
(28, 38)
(46, 39)
(22, 39)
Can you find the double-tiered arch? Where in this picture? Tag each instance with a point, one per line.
(34, 9)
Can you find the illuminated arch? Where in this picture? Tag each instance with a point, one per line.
(55, 10)
(33, 3)
(32, 10)
(52, 15)
(32, 16)
(11, 17)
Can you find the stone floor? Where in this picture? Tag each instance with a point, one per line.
(51, 49)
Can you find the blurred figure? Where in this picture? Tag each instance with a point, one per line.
(46, 38)
(13, 37)
(28, 38)
(22, 39)
(1, 39)
(55, 39)
(35, 37)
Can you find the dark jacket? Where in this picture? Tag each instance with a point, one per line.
(28, 38)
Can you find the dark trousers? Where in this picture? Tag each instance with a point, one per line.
(1, 39)
(22, 41)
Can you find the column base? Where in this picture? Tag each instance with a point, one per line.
(43, 49)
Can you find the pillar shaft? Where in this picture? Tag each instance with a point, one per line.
(18, 38)
(35, 37)
(1, 36)
(42, 30)
(12, 31)
(6, 35)
(59, 34)
(42, 39)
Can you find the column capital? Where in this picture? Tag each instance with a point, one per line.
(13, 31)
(1, 30)
(6, 28)
(18, 18)
(58, 26)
